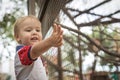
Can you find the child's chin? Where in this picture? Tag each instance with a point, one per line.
(33, 43)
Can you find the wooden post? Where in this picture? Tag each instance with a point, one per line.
(31, 7)
(60, 72)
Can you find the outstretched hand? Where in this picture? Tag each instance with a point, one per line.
(57, 36)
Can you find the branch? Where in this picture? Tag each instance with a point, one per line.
(109, 60)
(106, 1)
(92, 41)
(97, 22)
(71, 43)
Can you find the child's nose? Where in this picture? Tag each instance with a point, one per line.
(34, 32)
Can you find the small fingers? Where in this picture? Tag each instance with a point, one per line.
(54, 27)
(59, 42)
(57, 35)
(59, 30)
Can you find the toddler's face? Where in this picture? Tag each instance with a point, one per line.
(29, 32)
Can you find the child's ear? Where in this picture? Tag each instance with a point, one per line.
(17, 38)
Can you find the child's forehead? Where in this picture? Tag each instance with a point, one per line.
(31, 21)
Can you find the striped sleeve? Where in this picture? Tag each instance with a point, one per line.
(24, 55)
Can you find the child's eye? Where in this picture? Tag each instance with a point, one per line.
(38, 30)
(28, 30)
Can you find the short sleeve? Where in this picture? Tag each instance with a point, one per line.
(24, 55)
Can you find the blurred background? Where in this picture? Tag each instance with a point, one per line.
(91, 48)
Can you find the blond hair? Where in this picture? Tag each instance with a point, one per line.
(19, 21)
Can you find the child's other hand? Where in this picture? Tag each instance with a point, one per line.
(57, 36)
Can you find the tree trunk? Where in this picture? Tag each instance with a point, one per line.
(60, 72)
(80, 60)
(94, 66)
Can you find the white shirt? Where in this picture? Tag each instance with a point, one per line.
(33, 71)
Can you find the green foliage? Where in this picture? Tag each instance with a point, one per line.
(6, 25)
(106, 36)
(69, 52)
(8, 19)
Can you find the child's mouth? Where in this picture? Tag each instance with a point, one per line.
(34, 39)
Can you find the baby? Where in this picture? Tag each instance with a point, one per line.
(28, 63)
